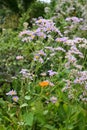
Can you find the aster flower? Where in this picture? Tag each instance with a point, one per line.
(51, 84)
(11, 93)
(23, 71)
(44, 28)
(26, 74)
(53, 99)
(70, 58)
(51, 72)
(74, 50)
(78, 67)
(27, 35)
(81, 77)
(15, 98)
(59, 49)
(41, 35)
(63, 39)
(50, 48)
(24, 33)
(41, 52)
(47, 26)
(36, 57)
(74, 19)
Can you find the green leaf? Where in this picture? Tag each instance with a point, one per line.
(27, 97)
(50, 127)
(70, 127)
(65, 106)
(45, 112)
(28, 118)
(24, 105)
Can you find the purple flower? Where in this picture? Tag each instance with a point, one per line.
(63, 39)
(15, 98)
(53, 99)
(11, 93)
(41, 52)
(50, 48)
(74, 19)
(51, 72)
(68, 19)
(44, 28)
(25, 32)
(41, 34)
(59, 49)
(47, 26)
(23, 71)
(36, 57)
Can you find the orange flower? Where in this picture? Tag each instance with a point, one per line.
(44, 83)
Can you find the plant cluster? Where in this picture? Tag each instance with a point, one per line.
(43, 75)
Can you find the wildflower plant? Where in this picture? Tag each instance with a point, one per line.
(47, 86)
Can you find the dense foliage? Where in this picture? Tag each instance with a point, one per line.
(14, 13)
(43, 69)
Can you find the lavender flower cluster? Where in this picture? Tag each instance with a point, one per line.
(70, 46)
(44, 28)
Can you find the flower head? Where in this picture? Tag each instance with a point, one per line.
(51, 72)
(11, 93)
(44, 83)
(63, 39)
(42, 53)
(53, 99)
(15, 98)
